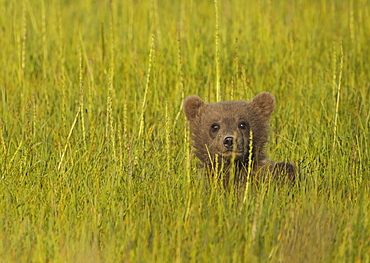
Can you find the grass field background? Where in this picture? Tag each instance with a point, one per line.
(95, 157)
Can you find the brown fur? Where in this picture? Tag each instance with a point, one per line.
(222, 130)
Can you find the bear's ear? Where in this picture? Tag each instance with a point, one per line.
(262, 105)
(192, 107)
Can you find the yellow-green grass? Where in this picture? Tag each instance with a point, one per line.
(95, 157)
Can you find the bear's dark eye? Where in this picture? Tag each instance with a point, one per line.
(243, 125)
(215, 127)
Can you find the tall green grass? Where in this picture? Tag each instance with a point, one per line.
(95, 158)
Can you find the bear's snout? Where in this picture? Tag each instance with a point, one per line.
(228, 142)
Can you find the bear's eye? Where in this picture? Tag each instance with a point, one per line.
(243, 125)
(215, 127)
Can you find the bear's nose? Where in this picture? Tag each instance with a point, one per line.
(228, 142)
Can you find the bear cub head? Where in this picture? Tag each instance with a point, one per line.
(227, 130)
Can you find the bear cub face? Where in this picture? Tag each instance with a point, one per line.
(224, 130)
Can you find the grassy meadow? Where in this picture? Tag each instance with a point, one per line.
(95, 156)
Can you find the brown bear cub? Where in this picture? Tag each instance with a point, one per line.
(234, 131)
